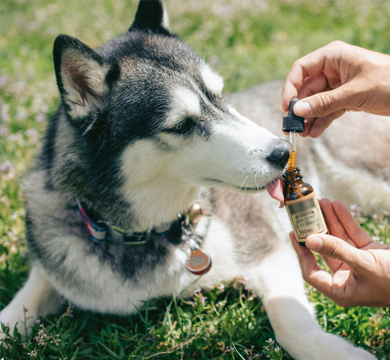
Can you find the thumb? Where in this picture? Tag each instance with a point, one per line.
(335, 248)
(326, 102)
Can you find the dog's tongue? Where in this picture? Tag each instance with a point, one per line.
(276, 191)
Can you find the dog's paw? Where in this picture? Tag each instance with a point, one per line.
(22, 319)
(360, 354)
(346, 354)
(323, 346)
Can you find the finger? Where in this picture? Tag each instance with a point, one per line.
(310, 65)
(375, 245)
(306, 258)
(320, 124)
(339, 288)
(313, 85)
(308, 123)
(325, 60)
(345, 288)
(335, 228)
(289, 91)
(327, 102)
(333, 223)
(314, 127)
(311, 272)
(338, 249)
(300, 250)
(340, 279)
(351, 226)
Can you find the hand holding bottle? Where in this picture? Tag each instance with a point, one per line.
(360, 266)
(337, 78)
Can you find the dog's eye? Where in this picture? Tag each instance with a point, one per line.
(183, 126)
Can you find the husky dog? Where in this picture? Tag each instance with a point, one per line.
(141, 133)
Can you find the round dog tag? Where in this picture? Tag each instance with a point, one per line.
(199, 262)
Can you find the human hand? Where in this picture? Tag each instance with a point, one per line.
(360, 266)
(336, 78)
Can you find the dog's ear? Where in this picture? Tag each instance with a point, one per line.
(83, 77)
(151, 16)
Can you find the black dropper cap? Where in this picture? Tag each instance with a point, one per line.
(292, 122)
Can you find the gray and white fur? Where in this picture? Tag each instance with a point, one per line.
(143, 131)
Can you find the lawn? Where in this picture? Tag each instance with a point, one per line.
(248, 42)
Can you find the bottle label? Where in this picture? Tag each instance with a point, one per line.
(306, 216)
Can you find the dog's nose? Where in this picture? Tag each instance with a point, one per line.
(280, 153)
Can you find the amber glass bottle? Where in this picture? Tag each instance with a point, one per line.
(302, 206)
(301, 202)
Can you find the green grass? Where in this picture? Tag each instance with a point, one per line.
(248, 42)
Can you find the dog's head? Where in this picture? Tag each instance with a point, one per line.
(153, 118)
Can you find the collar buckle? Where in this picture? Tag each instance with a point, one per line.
(117, 236)
(138, 238)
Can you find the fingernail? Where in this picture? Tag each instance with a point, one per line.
(302, 108)
(314, 243)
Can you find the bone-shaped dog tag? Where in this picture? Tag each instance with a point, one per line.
(199, 262)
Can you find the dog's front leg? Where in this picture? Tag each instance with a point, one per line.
(278, 279)
(36, 298)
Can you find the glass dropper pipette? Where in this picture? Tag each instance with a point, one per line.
(292, 138)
